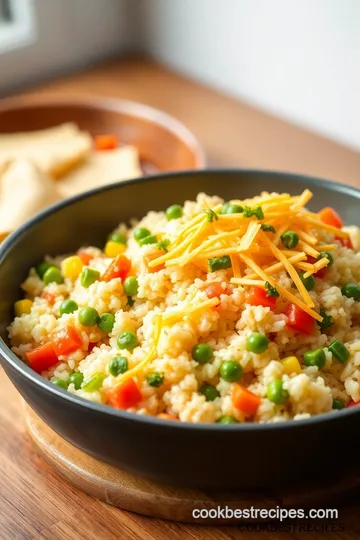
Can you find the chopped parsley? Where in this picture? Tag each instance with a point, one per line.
(211, 215)
(267, 228)
(326, 322)
(271, 291)
(163, 244)
(257, 212)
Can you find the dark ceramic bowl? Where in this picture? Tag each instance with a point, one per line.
(203, 456)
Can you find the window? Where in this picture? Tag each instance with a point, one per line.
(17, 24)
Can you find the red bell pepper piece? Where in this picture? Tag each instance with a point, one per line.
(299, 320)
(42, 358)
(346, 242)
(125, 395)
(331, 217)
(352, 404)
(118, 268)
(65, 341)
(256, 296)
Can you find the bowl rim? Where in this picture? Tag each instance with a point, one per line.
(100, 102)
(25, 371)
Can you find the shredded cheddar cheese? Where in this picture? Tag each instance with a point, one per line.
(252, 241)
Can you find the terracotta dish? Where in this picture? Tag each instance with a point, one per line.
(164, 144)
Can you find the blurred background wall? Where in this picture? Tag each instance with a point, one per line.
(298, 59)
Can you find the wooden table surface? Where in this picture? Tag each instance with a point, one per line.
(34, 502)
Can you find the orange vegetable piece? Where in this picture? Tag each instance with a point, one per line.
(256, 296)
(214, 290)
(331, 217)
(244, 400)
(125, 395)
(118, 268)
(150, 257)
(65, 341)
(42, 358)
(85, 257)
(106, 142)
(49, 297)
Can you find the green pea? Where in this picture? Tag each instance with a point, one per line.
(257, 343)
(224, 209)
(155, 379)
(351, 290)
(131, 286)
(339, 350)
(93, 383)
(130, 301)
(141, 232)
(309, 282)
(219, 263)
(60, 383)
(202, 353)
(232, 209)
(106, 322)
(326, 322)
(127, 340)
(328, 256)
(118, 238)
(68, 306)
(88, 277)
(315, 358)
(174, 211)
(88, 316)
(276, 393)
(231, 371)
(148, 240)
(76, 379)
(226, 420)
(118, 365)
(210, 392)
(53, 275)
(338, 404)
(289, 239)
(42, 267)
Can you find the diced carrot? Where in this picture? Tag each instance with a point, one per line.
(106, 142)
(331, 217)
(42, 358)
(49, 297)
(85, 257)
(65, 341)
(118, 268)
(125, 395)
(150, 257)
(256, 296)
(166, 416)
(214, 290)
(244, 400)
(299, 320)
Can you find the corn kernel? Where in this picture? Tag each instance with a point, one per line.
(22, 307)
(291, 365)
(72, 267)
(114, 248)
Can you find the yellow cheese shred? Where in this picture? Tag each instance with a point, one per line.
(178, 315)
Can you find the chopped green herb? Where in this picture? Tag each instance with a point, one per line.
(326, 322)
(267, 228)
(257, 212)
(163, 244)
(211, 215)
(271, 291)
(219, 263)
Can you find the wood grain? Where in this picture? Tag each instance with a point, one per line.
(35, 502)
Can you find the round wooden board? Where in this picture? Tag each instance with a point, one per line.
(149, 498)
